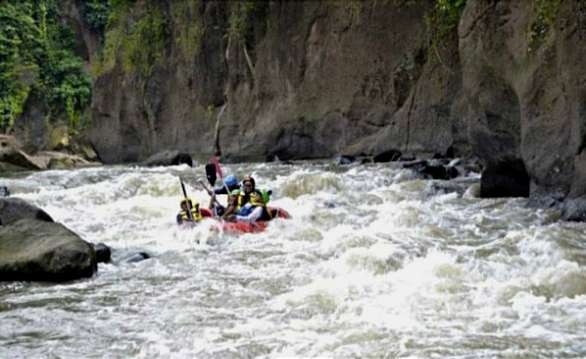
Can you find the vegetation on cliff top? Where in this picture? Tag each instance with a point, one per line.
(546, 12)
(136, 40)
(37, 56)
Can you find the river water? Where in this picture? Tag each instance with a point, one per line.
(374, 263)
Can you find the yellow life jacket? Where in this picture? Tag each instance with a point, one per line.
(254, 198)
(195, 212)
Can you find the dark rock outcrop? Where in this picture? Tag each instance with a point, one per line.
(388, 156)
(14, 209)
(433, 169)
(103, 253)
(4, 192)
(505, 179)
(33, 250)
(168, 158)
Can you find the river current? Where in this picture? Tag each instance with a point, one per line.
(375, 263)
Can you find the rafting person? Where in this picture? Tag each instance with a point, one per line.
(230, 184)
(189, 212)
(248, 204)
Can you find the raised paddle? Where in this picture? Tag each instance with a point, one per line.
(211, 173)
(186, 200)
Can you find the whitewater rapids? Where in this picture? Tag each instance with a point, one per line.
(374, 263)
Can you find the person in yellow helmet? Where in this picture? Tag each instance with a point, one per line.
(189, 212)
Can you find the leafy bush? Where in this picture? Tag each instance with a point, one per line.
(96, 13)
(36, 53)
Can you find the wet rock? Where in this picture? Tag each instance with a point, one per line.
(103, 253)
(388, 156)
(507, 178)
(11, 153)
(8, 167)
(168, 158)
(433, 169)
(60, 160)
(574, 209)
(34, 250)
(14, 209)
(345, 160)
(473, 191)
(137, 257)
(4, 191)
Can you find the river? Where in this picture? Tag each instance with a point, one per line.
(374, 264)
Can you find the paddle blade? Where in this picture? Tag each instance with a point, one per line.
(211, 173)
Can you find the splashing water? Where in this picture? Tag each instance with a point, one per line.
(374, 263)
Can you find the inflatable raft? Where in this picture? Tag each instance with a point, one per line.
(256, 227)
(240, 227)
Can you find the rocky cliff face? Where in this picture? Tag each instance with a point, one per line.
(315, 79)
(524, 89)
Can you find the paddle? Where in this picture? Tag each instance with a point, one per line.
(189, 214)
(211, 173)
(210, 192)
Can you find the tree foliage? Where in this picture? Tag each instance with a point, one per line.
(36, 54)
(135, 39)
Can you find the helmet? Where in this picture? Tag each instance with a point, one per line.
(249, 179)
(231, 181)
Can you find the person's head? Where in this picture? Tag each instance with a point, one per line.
(187, 203)
(248, 184)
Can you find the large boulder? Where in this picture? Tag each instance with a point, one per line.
(33, 250)
(14, 209)
(507, 178)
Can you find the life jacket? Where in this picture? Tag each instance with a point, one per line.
(245, 204)
(195, 212)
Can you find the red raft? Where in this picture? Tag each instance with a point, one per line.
(245, 227)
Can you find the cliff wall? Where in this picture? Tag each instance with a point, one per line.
(314, 79)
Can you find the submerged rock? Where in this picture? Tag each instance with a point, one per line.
(136, 257)
(35, 250)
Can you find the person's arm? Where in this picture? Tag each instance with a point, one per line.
(252, 217)
(231, 208)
